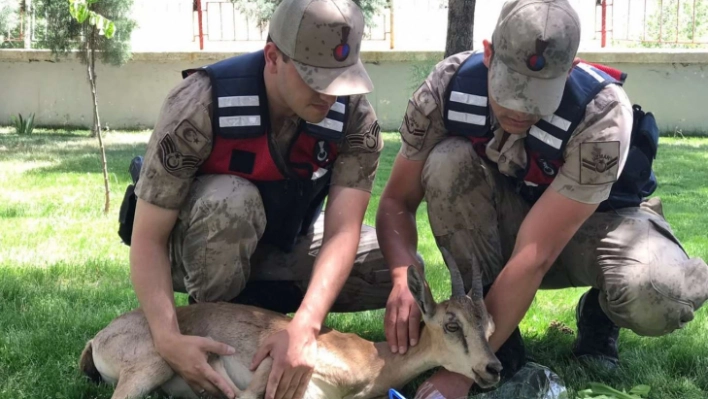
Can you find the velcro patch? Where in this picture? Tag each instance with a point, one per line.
(599, 162)
(242, 161)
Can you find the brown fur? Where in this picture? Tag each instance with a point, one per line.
(346, 366)
(86, 364)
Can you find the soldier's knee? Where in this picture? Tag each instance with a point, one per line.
(232, 198)
(215, 240)
(448, 161)
(655, 300)
(220, 286)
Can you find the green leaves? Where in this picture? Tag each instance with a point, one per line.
(79, 10)
(23, 126)
(602, 391)
(110, 30)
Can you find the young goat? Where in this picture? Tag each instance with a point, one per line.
(454, 335)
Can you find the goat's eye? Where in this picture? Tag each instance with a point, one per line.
(452, 327)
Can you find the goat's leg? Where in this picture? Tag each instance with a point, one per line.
(259, 381)
(139, 381)
(219, 367)
(133, 386)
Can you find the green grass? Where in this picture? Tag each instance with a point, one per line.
(64, 272)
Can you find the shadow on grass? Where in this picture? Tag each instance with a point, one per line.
(678, 165)
(68, 153)
(673, 365)
(46, 318)
(14, 211)
(46, 315)
(88, 160)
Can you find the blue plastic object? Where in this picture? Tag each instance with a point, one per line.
(393, 394)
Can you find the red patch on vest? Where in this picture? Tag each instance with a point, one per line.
(308, 154)
(314, 152)
(264, 169)
(540, 170)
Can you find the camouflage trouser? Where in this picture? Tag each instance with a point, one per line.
(647, 282)
(216, 254)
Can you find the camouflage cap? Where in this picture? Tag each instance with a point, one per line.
(535, 43)
(323, 38)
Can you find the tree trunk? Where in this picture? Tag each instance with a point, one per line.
(97, 126)
(28, 24)
(460, 24)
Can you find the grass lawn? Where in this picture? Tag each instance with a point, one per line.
(64, 272)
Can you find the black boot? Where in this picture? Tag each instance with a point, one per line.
(512, 354)
(597, 334)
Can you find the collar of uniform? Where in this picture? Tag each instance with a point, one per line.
(288, 123)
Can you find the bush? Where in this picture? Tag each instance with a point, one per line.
(23, 126)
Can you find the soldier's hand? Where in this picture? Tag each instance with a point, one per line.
(187, 355)
(294, 353)
(402, 320)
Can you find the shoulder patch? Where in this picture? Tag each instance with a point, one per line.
(414, 126)
(191, 136)
(372, 136)
(370, 139)
(599, 162)
(174, 160)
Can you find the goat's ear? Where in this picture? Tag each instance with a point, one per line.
(491, 327)
(421, 292)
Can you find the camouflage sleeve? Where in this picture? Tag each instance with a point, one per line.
(180, 143)
(596, 154)
(361, 148)
(423, 127)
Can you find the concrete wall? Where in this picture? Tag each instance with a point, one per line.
(673, 85)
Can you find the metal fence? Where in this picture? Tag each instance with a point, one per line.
(14, 23)
(653, 23)
(165, 25)
(222, 21)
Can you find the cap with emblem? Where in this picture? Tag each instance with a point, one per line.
(535, 43)
(323, 39)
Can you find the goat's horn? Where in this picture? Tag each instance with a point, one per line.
(477, 290)
(458, 287)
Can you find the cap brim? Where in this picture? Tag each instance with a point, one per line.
(345, 81)
(538, 96)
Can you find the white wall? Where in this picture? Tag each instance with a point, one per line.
(671, 84)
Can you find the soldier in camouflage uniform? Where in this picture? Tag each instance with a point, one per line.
(521, 186)
(234, 175)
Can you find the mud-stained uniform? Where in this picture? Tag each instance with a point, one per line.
(647, 281)
(215, 248)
